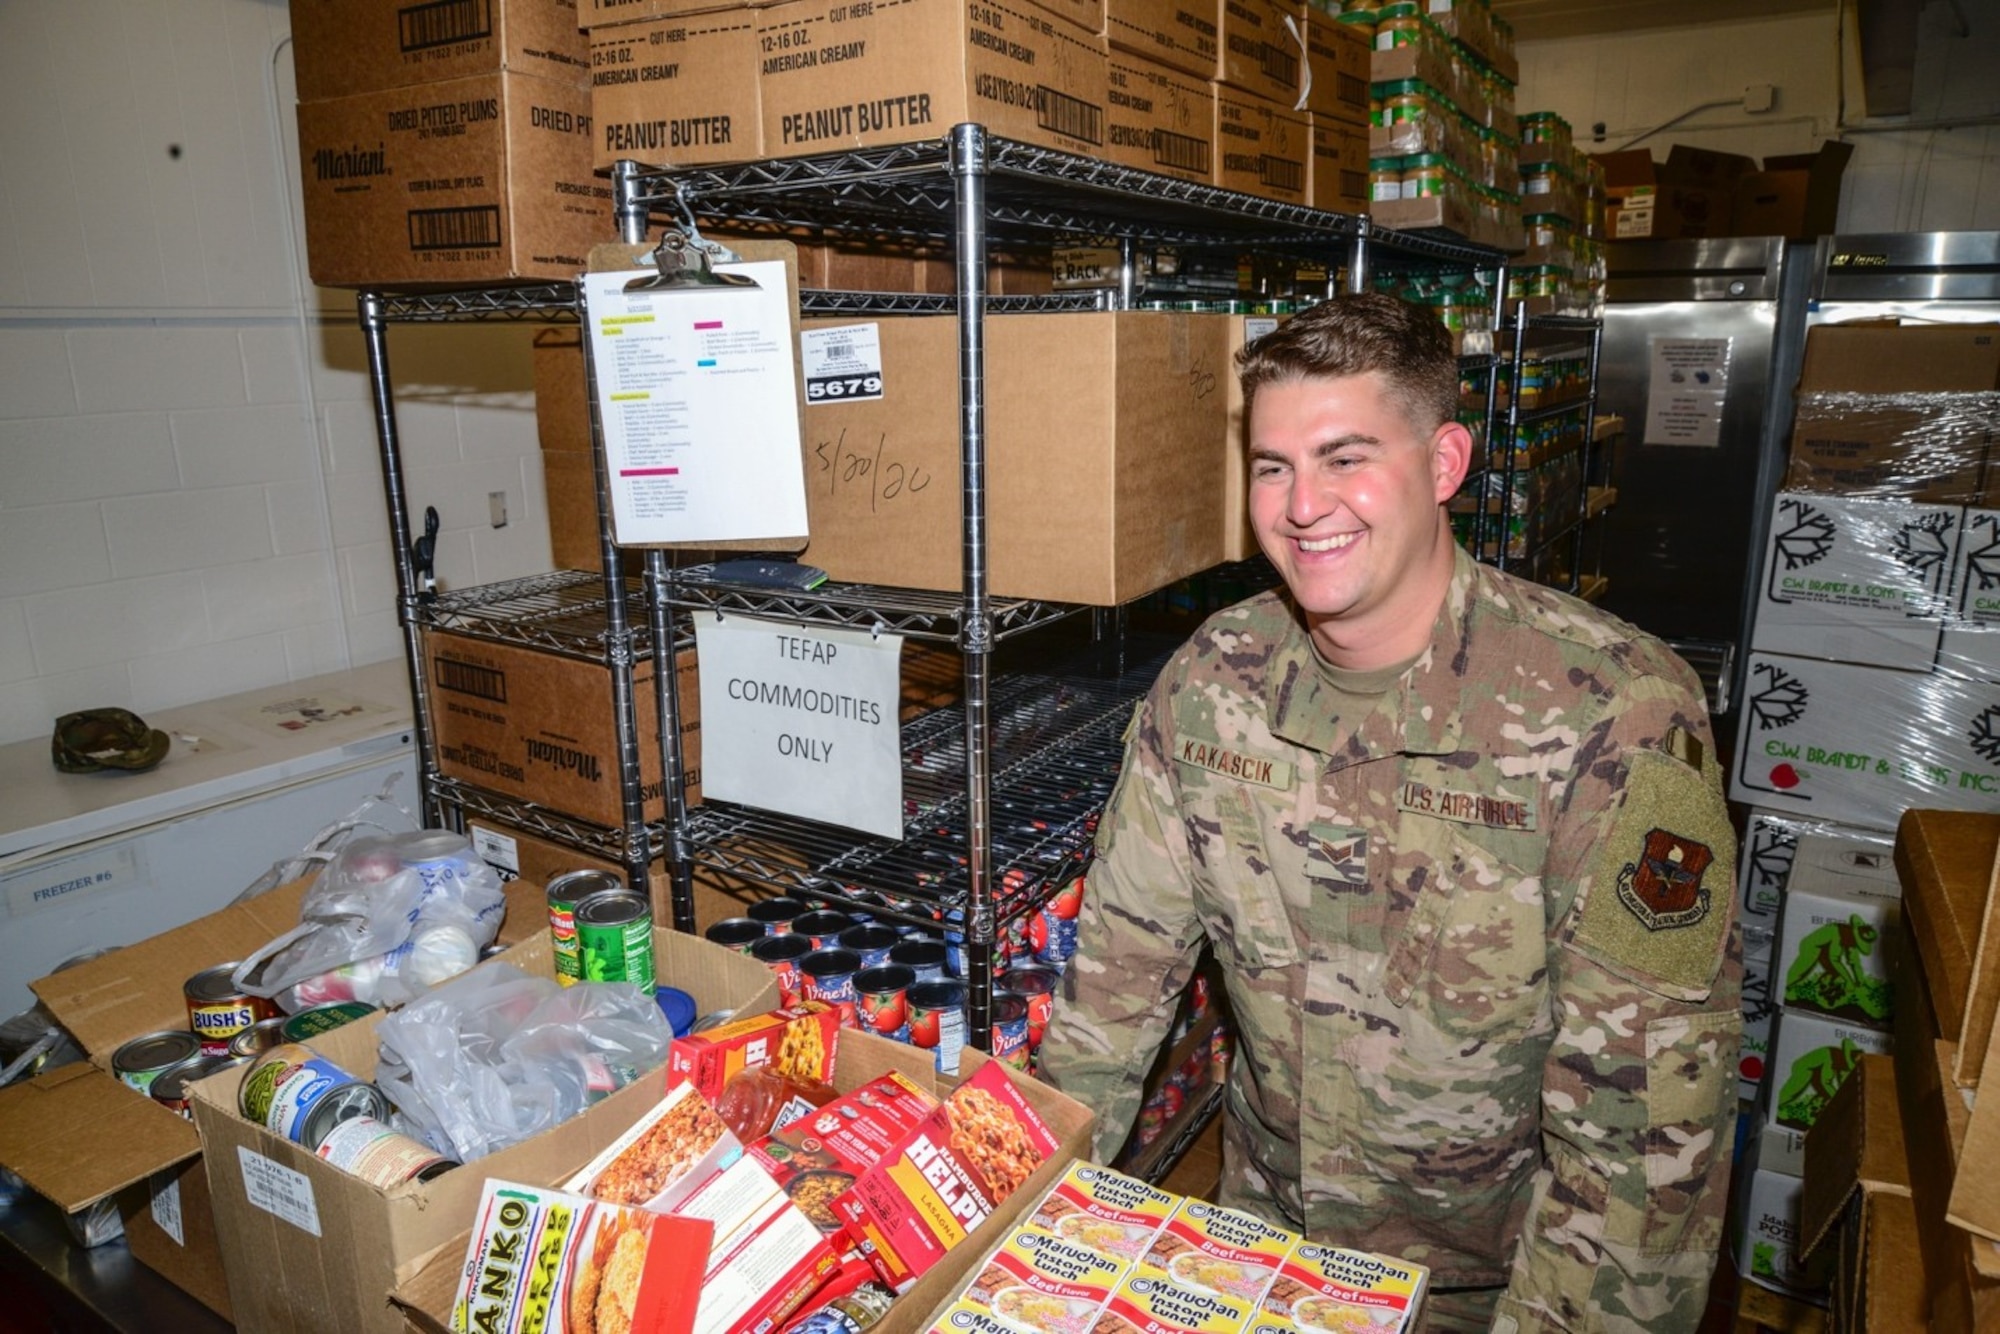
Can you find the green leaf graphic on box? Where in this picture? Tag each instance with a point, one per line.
(1764, 1259)
(1827, 974)
(1814, 1079)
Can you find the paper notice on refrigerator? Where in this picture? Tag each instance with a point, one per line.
(1687, 384)
(697, 391)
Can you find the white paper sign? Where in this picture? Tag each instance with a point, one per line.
(279, 1191)
(167, 1209)
(802, 721)
(1686, 388)
(697, 391)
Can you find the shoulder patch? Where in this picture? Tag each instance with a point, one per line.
(1658, 905)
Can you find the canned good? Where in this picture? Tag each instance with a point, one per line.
(871, 942)
(777, 915)
(822, 926)
(323, 1019)
(923, 956)
(1036, 986)
(1051, 936)
(364, 1147)
(259, 1038)
(713, 1019)
(736, 933)
(565, 892)
(1010, 1031)
(881, 997)
(142, 1060)
(293, 1092)
(678, 1007)
(937, 1021)
(170, 1089)
(781, 954)
(614, 932)
(218, 1009)
(828, 975)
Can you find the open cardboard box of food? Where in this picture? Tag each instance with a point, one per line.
(426, 1298)
(77, 1134)
(1856, 1202)
(306, 1245)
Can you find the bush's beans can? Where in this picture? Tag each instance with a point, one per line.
(144, 1059)
(1010, 1031)
(871, 942)
(565, 892)
(781, 954)
(323, 1019)
(828, 976)
(736, 933)
(614, 931)
(218, 1010)
(293, 1092)
(260, 1037)
(822, 927)
(881, 999)
(937, 1021)
(364, 1147)
(777, 915)
(1036, 986)
(922, 955)
(170, 1090)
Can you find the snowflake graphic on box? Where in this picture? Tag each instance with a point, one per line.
(1924, 544)
(1984, 735)
(1809, 537)
(1782, 699)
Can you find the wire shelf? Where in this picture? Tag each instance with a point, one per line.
(582, 835)
(917, 613)
(561, 613)
(822, 301)
(557, 302)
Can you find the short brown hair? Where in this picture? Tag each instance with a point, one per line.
(1356, 334)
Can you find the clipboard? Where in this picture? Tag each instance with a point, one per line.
(672, 480)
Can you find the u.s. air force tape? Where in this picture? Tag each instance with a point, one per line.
(1659, 897)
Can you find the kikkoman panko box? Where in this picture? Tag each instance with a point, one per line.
(1105, 1210)
(1224, 1251)
(1349, 1292)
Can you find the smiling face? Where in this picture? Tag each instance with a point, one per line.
(1346, 499)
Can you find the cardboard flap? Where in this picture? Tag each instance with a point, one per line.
(1945, 860)
(1873, 358)
(1855, 1147)
(137, 989)
(77, 1135)
(1975, 1190)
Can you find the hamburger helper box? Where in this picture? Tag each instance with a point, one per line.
(77, 1134)
(307, 1246)
(425, 1298)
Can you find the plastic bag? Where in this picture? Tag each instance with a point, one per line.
(497, 1056)
(381, 813)
(387, 919)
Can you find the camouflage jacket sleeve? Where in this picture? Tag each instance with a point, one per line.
(1137, 939)
(1645, 969)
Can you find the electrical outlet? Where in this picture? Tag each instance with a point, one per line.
(1760, 97)
(496, 505)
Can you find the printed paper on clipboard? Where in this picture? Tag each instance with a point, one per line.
(696, 390)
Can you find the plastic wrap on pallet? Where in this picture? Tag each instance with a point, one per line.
(1929, 447)
(1771, 848)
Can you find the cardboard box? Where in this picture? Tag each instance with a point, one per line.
(1879, 358)
(1856, 580)
(1338, 177)
(540, 727)
(473, 181)
(1450, 213)
(77, 1134)
(1768, 1250)
(1861, 745)
(344, 47)
(1692, 194)
(425, 1297)
(1836, 940)
(1180, 34)
(1089, 456)
(1260, 52)
(1795, 196)
(1159, 119)
(1945, 861)
(1811, 1057)
(1753, 1057)
(1856, 1204)
(1262, 148)
(1971, 644)
(1239, 539)
(594, 14)
(676, 92)
(307, 1245)
(1934, 449)
(860, 76)
(1770, 841)
(1337, 69)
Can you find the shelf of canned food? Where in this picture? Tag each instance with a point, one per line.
(1185, 1090)
(1032, 195)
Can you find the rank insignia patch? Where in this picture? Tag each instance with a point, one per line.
(1663, 887)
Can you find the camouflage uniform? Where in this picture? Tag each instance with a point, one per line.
(1478, 938)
